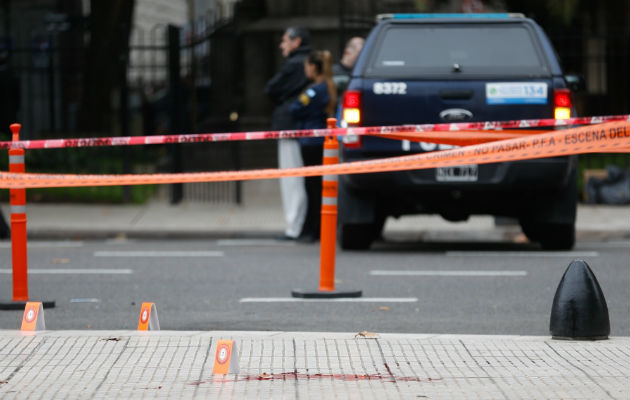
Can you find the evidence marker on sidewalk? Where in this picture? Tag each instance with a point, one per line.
(148, 319)
(226, 358)
(33, 319)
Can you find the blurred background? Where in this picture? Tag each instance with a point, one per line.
(87, 68)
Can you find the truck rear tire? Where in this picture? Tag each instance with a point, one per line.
(556, 236)
(356, 236)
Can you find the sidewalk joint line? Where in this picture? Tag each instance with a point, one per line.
(590, 378)
(122, 351)
(26, 360)
(505, 396)
(205, 360)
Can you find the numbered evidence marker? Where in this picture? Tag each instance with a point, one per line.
(148, 320)
(33, 319)
(226, 358)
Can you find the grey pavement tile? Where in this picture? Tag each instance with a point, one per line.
(127, 364)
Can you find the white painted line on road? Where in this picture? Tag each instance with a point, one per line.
(103, 271)
(254, 242)
(607, 245)
(44, 245)
(88, 300)
(522, 253)
(340, 300)
(140, 253)
(447, 273)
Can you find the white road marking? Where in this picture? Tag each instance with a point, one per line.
(103, 271)
(607, 245)
(88, 300)
(44, 245)
(155, 253)
(340, 300)
(522, 253)
(447, 273)
(254, 242)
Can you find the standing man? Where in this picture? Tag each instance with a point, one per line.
(343, 69)
(283, 89)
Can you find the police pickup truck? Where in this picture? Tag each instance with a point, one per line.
(435, 68)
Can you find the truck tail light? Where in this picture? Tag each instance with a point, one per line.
(352, 107)
(351, 114)
(562, 103)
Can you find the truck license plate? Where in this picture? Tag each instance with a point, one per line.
(460, 173)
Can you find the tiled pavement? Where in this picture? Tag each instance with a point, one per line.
(290, 365)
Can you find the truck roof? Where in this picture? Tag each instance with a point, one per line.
(450, 16)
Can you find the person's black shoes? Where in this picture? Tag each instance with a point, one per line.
(303, 238)
(308, 238)
(284, 238)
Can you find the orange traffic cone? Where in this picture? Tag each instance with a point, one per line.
(18, 232)
(328, 233)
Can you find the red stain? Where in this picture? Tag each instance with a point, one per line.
(285, 376)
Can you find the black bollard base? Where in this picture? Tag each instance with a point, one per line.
(579, 310)
(579, 338)
(320, 294)
(19, 305)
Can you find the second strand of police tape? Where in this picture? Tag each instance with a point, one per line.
(607, 137)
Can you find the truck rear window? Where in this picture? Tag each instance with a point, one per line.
(413, 50)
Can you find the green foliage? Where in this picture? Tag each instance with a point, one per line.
(599, 161)
(95, 160)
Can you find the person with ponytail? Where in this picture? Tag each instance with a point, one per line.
(310, 111)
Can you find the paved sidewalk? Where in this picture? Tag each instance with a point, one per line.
(291, 365)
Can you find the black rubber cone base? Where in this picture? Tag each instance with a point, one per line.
(319, 294)
(579, 310)
(19, 305)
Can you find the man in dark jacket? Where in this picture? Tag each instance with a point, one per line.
(283, 88)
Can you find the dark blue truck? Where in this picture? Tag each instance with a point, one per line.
(435, 68)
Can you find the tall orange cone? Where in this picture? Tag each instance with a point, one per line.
(18, 231)
(328, 233)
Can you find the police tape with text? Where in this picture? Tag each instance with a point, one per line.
(265, 135)
(609, 137)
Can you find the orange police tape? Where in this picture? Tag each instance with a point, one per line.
(461, 138)
(606, 137)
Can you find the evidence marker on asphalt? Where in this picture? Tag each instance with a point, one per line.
(148, 319)
(226, 358)
(33, 319)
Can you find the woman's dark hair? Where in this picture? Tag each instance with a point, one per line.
(315, 58)
(322, 60)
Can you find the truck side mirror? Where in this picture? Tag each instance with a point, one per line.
(575, 82)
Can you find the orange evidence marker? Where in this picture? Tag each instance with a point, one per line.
(226, 358)
(148, 320)
(33, 319)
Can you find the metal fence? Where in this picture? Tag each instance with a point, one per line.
(166, 89)
(190, 78)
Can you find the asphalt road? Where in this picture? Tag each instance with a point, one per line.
(458, 287)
